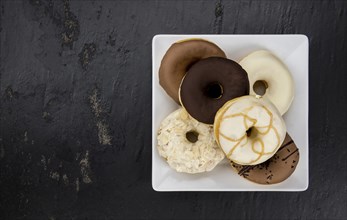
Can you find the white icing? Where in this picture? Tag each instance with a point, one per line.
(264, 66)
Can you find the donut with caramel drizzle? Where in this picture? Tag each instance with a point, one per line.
(249, 129)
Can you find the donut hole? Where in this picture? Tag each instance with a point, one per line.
(214, 90)
(249, 131)
(192, 136)
(252, 132)
(259, 87)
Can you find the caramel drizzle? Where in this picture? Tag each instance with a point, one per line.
(242, 115)
(259, 154)
(278, 138)
(239, 140)
(230, 139)
(232, 150)
(269, 126)
(218, 122)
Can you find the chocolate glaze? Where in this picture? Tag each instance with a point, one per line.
(277, 169)
(206, 73)
(177, 60)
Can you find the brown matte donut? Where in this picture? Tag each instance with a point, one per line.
(275, 170)
(209, 84)
(179, 57)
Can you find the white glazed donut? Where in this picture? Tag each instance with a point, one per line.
(265, 67)
(188, 145)
(249, 129)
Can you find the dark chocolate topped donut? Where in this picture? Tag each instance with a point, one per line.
(209, 84)
(277, 169)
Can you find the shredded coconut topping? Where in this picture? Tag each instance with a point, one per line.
(183, 155)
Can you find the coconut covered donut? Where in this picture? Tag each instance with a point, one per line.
(188, 145)
(249, 129)
(179, 58)
(269, 73)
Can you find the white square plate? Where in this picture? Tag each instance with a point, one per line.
(293, 51)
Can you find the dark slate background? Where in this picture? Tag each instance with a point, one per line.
(75, 95)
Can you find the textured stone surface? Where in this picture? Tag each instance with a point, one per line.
(75, 91)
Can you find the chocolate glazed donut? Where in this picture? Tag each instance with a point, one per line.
(179, 57)
(209, 84)
(277, 169)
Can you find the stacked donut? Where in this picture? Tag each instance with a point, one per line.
(224, 112)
